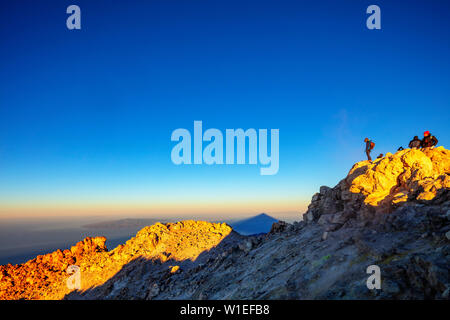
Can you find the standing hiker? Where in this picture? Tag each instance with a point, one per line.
(428, 140)
(369, 147)
(415, 143)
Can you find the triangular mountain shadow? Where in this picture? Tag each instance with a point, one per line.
(255, 225)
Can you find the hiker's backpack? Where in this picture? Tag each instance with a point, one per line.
(372, 145)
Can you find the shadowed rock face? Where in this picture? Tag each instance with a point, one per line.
(393, 213)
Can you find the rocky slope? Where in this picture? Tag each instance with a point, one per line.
(178, 243)
(393, 212)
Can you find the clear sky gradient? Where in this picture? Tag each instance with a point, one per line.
(86, 116)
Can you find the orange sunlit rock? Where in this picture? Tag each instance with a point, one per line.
(373, 188)
(45, 276)
(406, 174)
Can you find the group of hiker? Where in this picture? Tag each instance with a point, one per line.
(428, 141)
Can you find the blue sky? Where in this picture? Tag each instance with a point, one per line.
(86, 115)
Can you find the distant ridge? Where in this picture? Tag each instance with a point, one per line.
(254, 225)
(121, 224)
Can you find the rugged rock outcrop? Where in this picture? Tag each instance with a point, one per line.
(45, 276)
(393, 213)
(372, 189)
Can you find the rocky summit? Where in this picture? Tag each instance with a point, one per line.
(371, 190)
(393, 212)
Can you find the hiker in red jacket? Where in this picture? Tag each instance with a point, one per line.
(428, 140)
(369, 147)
